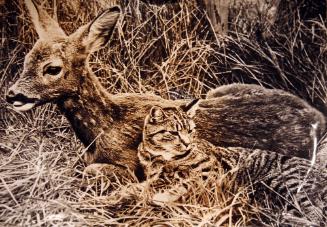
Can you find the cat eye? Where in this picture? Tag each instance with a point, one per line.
(52, 70)
(160, 132)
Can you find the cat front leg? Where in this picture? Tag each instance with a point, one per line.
(169, 195)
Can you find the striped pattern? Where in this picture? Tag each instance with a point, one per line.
(168, 151)
(166, 161)
(280, 177)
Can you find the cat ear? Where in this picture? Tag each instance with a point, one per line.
(156, 114)
(191, 107)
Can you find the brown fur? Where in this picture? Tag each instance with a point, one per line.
(279, 177)
(322, 153)
(264, 118)
(167, 145)
(111, 125)
(171, 152)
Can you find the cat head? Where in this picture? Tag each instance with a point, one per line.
(169, 132)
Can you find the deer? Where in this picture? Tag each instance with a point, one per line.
(110, 126)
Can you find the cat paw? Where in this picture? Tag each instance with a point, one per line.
(164, 197)
(169, 196)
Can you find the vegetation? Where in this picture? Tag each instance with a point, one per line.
(167, 49)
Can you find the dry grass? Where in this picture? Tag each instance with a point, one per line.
(168, 50)
(40, 186)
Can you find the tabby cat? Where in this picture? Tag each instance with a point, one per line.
(167, 151)
(170, 152)
(288, 181)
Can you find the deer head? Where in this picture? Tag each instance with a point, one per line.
(58, 63)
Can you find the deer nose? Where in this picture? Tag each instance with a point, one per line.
(10, 97)
(11, 93)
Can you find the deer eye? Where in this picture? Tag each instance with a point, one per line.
(52, 70)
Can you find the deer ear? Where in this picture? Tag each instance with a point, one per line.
(156, 114)
(191, 107)
(98, 32)
(45, 26)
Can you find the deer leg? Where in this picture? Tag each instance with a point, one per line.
(108, 171)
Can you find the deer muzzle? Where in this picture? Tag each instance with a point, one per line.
(20, 101)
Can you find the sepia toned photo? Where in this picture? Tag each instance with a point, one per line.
(163, 113)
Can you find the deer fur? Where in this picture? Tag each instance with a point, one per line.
(110, 126)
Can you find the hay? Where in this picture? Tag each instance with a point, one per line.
(164, 49)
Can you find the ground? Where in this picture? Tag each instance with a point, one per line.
(169, 50)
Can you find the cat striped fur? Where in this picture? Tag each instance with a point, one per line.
(171, 151)
(167, 148)
(288, 181)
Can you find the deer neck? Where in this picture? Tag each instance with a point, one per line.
(90, 111)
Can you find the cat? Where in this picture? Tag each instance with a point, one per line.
(171, 151)
(288, 181)
(167, 152)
